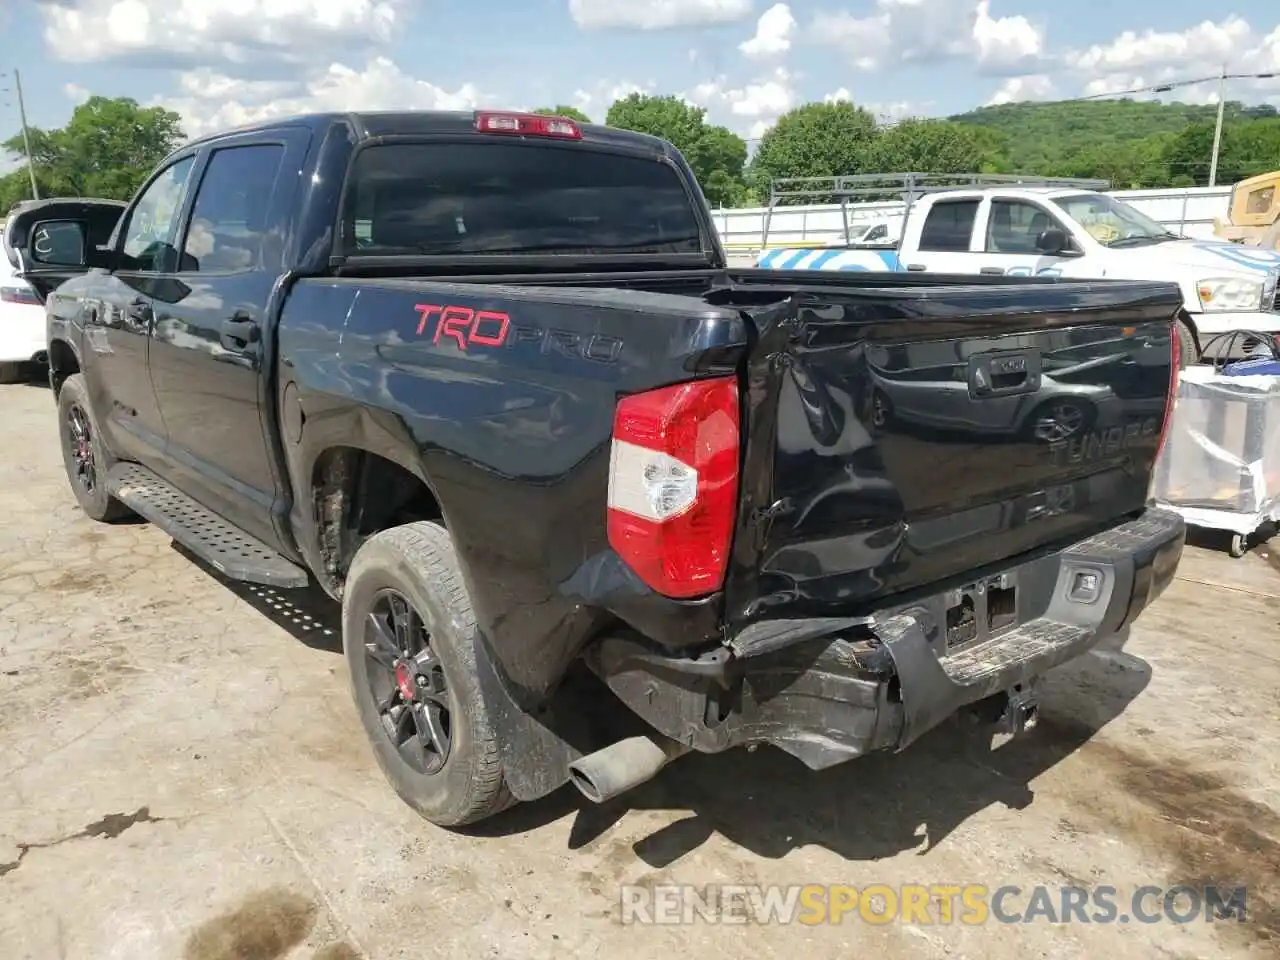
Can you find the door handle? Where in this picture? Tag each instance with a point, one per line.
(992, 271)
(239, 332)
(915, 267)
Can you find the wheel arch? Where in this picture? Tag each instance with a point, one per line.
(354, 491)
(64, 361)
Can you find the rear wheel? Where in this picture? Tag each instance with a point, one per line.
(409, 635)
(84, 456)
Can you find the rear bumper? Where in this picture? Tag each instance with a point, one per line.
(826, 691)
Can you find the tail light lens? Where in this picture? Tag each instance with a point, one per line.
(673, 484)
(19, 295)
(1175, 366)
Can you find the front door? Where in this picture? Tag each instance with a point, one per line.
(1010, 237)
(117, 316)
(209, 352)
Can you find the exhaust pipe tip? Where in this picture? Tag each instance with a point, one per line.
(622, 766)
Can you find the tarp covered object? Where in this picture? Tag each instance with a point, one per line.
(1221, 465)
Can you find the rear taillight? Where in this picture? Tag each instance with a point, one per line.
(673, 484)
(1175, 366)
(527, 125)
(19, 295)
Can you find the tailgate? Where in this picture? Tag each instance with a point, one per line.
(898, 438)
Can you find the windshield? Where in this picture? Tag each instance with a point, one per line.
(503, 197)
(1112, 222)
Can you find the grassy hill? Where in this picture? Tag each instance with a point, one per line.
(1131, 142)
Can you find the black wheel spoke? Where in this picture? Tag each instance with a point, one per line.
(433, 727)
(401, 620)
(382, 647)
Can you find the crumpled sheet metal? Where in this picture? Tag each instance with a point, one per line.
(1221, 465)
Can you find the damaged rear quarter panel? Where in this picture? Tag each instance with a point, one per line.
(510, 429)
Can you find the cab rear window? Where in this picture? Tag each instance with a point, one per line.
(513, 197)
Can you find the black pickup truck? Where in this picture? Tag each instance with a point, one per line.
(488, 379)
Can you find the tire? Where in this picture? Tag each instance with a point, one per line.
(417, 563)
(13, 372)
(1188, 346)
(1238, 547)
(74, 407)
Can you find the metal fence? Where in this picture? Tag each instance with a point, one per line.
(1189, 210)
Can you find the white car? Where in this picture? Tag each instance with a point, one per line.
(22, 325)
(1076, 235)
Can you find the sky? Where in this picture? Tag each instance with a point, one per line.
(220, 63)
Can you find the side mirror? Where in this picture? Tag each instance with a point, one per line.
(57, 243)
(1053, 241)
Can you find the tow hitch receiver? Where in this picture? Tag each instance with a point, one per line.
(1012, 711)
(1021, 711)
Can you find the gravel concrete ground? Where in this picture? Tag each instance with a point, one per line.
(182, 776)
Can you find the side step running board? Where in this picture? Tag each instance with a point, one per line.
(219, 543)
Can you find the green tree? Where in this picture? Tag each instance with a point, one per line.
(816, 140)
(934, 146)
(561, 110)
(717, 155)
(106, 150)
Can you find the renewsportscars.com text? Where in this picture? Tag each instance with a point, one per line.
(929, 904)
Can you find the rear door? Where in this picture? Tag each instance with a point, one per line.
(946, 239)
(978, 454)
(209, 354)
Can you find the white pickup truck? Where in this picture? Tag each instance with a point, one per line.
(1064, 232)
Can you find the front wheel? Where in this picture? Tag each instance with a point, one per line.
(409, 636)
(84, 455)
(1188, 346)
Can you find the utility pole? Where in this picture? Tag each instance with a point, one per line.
(26, 136)
(1217, 129)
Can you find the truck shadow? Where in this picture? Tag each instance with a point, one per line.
(308, 615)
(770, 804)
(877, 806)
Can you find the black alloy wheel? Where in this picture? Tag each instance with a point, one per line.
(407, 682)
(80, 443)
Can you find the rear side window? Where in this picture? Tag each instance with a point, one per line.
(443, 199)
(949, 226)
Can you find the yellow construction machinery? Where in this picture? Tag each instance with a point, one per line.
(1254, 215)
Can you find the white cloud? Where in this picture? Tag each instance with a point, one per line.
(774, 32)
(75, 93)
(920, 30)
(1005, 41)
(214, 31)
(1206, 42)
(596, 100)
(656, 14)
(749, 109)
(1034, 86)
(1132, 60)
(212, 101)
(884, 112)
